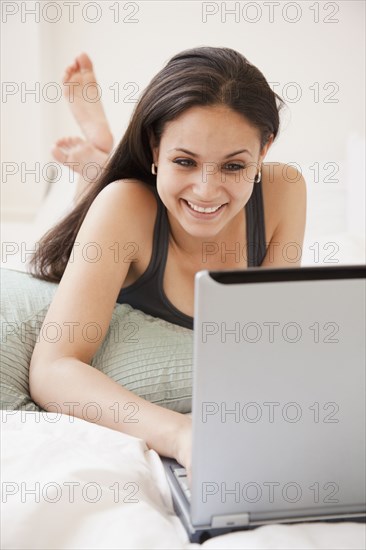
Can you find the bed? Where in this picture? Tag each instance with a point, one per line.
(72, 484)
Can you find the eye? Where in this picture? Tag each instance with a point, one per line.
(184, 162)
(235, 167)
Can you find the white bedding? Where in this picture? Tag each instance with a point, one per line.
(43, 454)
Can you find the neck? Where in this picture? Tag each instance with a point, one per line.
(204, 253)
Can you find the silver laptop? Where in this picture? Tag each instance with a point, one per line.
(278, 403)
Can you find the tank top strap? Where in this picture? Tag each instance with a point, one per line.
(160, 236)
(162, 254)
(256, 235)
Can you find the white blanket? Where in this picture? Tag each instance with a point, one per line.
(70, 484)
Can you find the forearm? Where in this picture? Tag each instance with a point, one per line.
(75, 388)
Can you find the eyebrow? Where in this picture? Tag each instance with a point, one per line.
(225, 157)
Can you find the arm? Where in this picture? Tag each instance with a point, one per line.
(60, 371)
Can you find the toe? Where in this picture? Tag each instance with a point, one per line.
(58, 154)
(84, 62)
(60, 142)
(67, 74)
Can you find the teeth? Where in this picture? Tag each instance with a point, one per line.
(206, 210)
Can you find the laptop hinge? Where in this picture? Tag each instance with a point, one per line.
(230, 520)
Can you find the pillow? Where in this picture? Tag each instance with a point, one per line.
(145, 354)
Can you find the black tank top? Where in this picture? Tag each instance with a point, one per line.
(147, 294)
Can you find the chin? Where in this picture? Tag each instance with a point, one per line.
(201, 232)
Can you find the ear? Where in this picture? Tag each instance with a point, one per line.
(155, 154)
(265, 149)
(154, 148)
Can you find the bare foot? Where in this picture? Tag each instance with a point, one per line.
(83, 94)
(81, 156)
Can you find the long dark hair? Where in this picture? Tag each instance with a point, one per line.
(198, 76)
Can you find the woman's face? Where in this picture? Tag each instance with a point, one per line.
(217, 168)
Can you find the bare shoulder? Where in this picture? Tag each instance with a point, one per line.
(130, 197)
(284, 196)
(134, 200)
(135, 188)
(283, 186)
(279, 178)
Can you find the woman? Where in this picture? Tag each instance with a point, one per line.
(186, 189)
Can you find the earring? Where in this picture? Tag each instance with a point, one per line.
(258, 177)
(153, 169)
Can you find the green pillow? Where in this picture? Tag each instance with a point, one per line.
(145, 354)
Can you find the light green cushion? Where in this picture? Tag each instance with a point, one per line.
(146, 355)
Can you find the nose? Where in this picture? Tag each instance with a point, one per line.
(207, 183)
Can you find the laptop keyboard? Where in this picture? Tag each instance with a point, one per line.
(181, 476)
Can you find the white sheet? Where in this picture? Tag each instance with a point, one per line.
(46, 452)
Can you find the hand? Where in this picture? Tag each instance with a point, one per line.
(183, 447)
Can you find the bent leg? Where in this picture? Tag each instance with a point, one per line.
(82, 93)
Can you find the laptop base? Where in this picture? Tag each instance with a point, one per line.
(200, 534)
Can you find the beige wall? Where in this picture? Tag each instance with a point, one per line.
(21, 120)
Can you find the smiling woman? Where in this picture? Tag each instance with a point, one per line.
(186, 189)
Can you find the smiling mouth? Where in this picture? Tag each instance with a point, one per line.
(201, 209)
